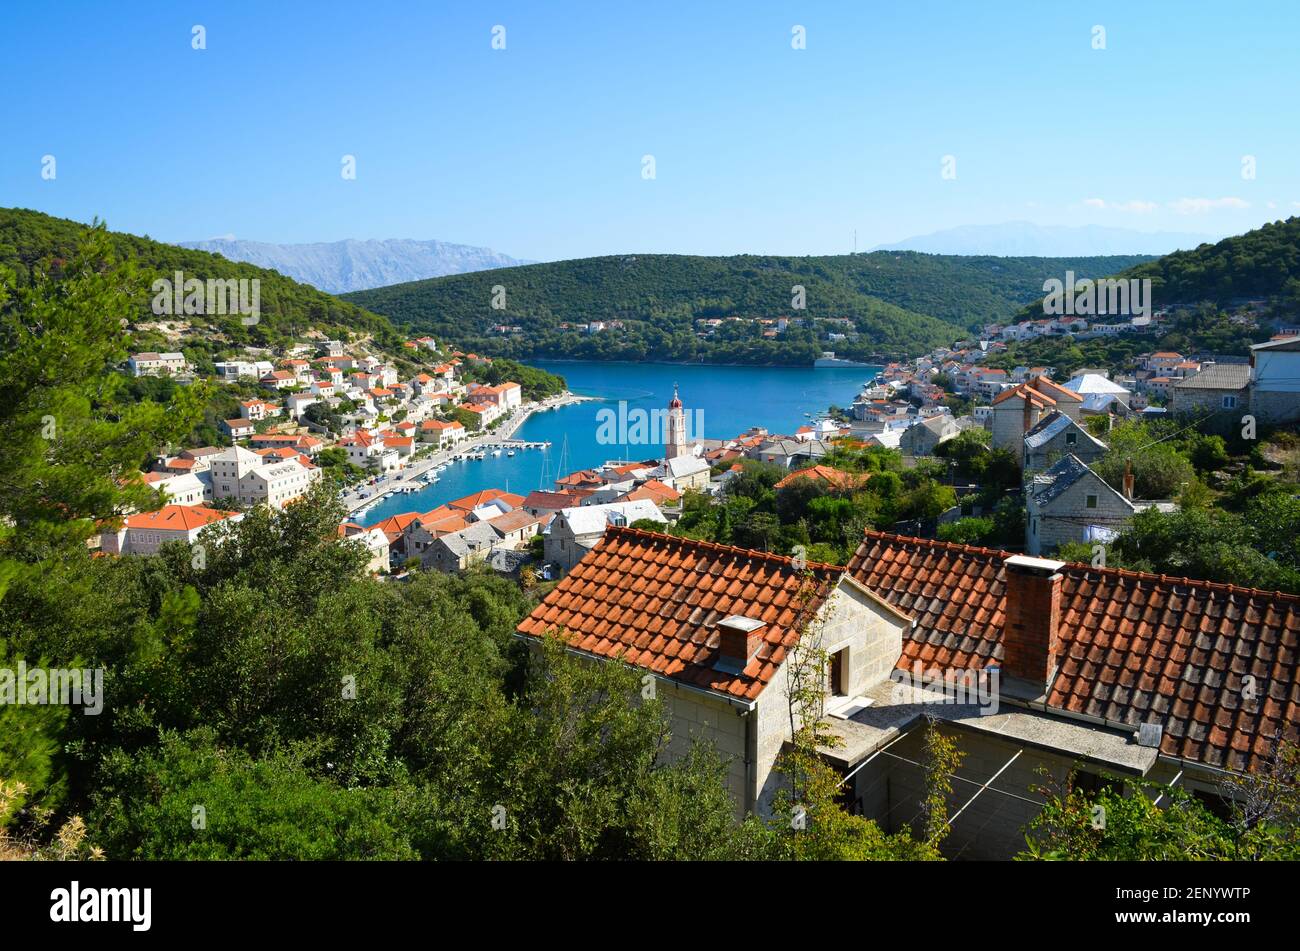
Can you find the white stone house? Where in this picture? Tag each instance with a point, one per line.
(146, 532)
(1071, 503)
(181, 488)
(157, 364)
(925, 435)
(684, 473)
(1275, 380)
(575, 531)
(241, 474)
(1018, 410)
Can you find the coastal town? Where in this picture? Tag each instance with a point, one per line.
(398, 435)
(1033, 674)
(724, 440)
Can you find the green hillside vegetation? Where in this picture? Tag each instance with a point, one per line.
(385, 721)
(30, 241)
(1264, 263)
(901, 303)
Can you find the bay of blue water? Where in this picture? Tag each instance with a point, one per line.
(730, 401)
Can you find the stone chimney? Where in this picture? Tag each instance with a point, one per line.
(739, 638)
(1030, 644)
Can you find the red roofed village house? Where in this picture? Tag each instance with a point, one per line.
(1032, 665)
(1018, 410)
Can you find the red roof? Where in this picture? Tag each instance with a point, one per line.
(827, 475)
(1025, 391)
(176, 518)
(1135, 647)
(654, 491)
(394, 525)
(471, 502)
(580, 478)
(655, 602)
(554, 501)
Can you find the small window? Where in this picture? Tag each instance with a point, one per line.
(1092, 784)
(1071, 438)
(1090, 501)
(1215, 803)
(1229, 402)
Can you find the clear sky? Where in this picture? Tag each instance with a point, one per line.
(537, 150)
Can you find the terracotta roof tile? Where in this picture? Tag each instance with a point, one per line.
(1134, 647)
(656, 600)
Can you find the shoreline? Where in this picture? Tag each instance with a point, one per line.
(533, 361)
(414, 471)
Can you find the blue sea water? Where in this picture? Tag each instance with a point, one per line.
(726, 401)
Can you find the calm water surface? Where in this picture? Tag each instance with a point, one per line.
(730, 400)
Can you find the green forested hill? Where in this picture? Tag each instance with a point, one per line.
(1264, 263)
(287, 308)
(900, 303)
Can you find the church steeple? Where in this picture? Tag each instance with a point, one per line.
(675, 438)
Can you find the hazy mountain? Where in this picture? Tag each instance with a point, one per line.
(1025, 239)
(340, 266)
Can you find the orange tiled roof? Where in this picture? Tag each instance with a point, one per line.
(471, 502)
(543, 499)
(655, 601)
(176, 518)
(582, 477)
(1135, 647)
(835, 478)
(395, 524)
(654, 491)
(1057, 392)
(1025, 391)
(444, 525)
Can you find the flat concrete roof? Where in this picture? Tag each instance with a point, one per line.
(871, 728)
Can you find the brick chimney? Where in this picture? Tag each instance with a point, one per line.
(1029, 632)
(739, 638)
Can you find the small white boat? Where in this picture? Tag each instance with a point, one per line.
(496, 452)
(510, 452)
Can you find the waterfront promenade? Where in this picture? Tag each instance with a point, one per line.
(413, 472)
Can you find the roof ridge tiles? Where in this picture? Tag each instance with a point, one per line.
(734, 550)
(1127, 573)
(1175, 580)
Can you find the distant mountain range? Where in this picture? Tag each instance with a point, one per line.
(340, 266)
(288, 309)
(1025, 239)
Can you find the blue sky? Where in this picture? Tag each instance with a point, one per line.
(536, 150)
